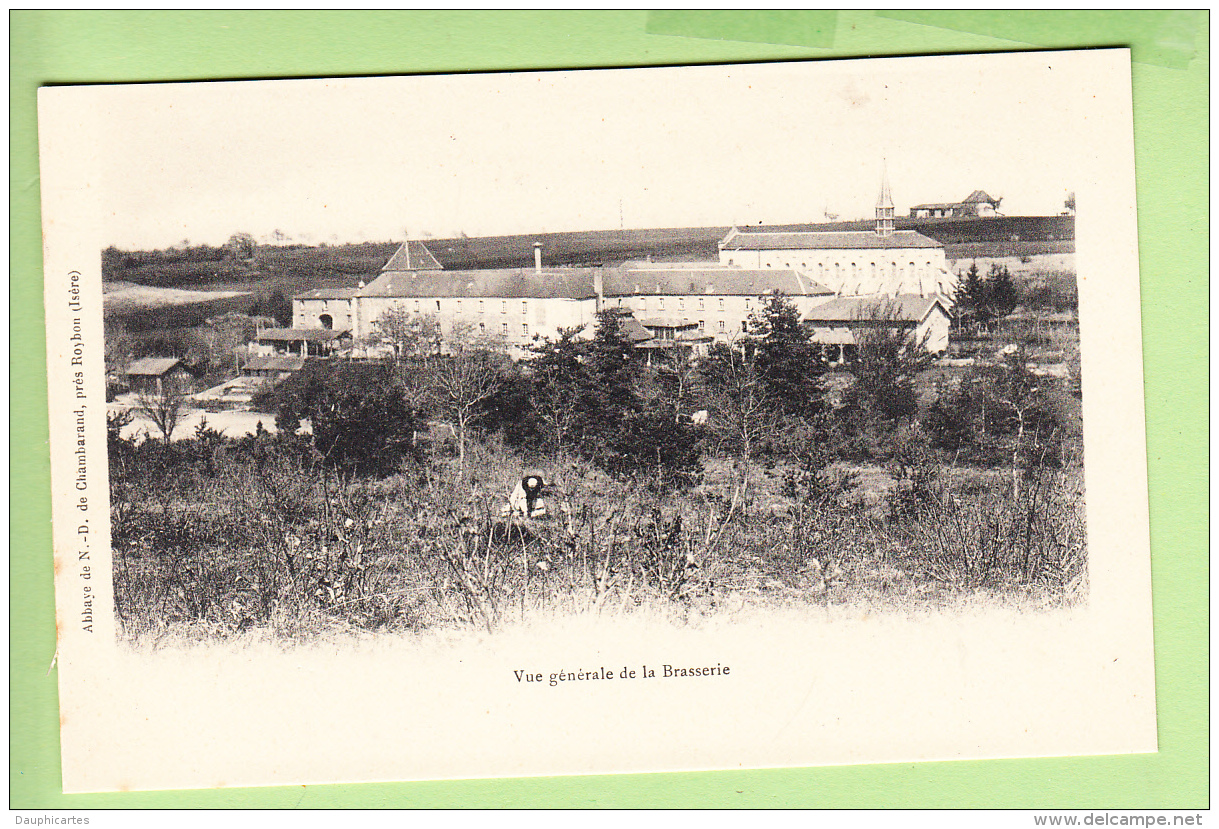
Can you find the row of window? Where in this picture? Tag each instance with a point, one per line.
(503, 309)
(881, 271)
(702, 326)
(681, 303)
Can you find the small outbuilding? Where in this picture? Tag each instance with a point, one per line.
(833, 325)
(273, 366)
(152, 375)
(308, 342)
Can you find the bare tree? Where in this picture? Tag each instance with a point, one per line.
(165, 405)
(742, 412)
(461, 380)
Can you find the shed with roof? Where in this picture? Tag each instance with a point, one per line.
(835, 323)
(154, 375)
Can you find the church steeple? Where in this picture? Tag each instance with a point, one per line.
(884, 206)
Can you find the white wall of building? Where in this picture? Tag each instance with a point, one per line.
(515, 319)
(856, 272)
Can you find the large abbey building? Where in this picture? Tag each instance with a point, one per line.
(699, 302)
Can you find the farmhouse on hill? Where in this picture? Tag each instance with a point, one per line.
(977, 203)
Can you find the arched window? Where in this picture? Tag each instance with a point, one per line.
(327, 321)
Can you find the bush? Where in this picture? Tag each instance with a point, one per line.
(359, 417)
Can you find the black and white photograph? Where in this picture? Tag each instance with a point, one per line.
(597, 421)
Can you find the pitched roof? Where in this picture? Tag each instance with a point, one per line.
(937, 206)
(827, 240)
(885, 199)
(907, 308)
(832, 336)
(292, 335)
(275, 362)
(667, 322)
(710, 280)
(510, 283)
(328, 293)
(412, 256)
(153, 366)
(978, 197)
(633, 331)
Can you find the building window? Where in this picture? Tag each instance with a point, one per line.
(744, 325)
(874, 270)
(748, 303)
(700, 304)
(721, 325)
(416, 306)
(681, 303)
(853, 273)
(482, 326)
(503, 309)
(437, 305)
(459, 306)
(661, 303)
(524, 308)
(643, 303)
(480, 306)
(504, 328)
(524, 329)
(721, 303)
(702, 325)
(730, 260)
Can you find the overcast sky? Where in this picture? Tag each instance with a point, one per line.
(377, 159)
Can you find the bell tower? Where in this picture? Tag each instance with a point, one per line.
(884, 206)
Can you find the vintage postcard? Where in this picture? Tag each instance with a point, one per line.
(585, 422)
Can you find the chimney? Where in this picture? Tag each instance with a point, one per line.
(537, 257)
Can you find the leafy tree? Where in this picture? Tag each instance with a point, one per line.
(240, 246)
(1001, 295)
(359, 417)
(785, 358)
(654, 445)
(275, 305)
(972, 297)
(883, 395)
(1005, 414)
(561, 389)
(1069, 204)
(412, 335)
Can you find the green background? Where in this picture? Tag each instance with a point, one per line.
(1171, 66)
